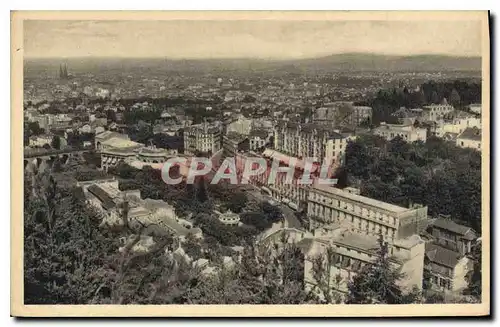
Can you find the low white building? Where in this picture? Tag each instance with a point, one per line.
(408, 133)
(228, 218)
(470, 138)
(457, 125)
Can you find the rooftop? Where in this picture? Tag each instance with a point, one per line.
(452, 226)
(471, 133)
(442, 256)
(361, 199)
(354, 240)
(106, 200)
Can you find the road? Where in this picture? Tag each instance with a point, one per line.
(288, 213)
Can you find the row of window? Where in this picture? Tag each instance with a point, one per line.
(358, 210)
(359, 223)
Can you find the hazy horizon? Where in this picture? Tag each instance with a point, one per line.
(250, 58)
(259, 39)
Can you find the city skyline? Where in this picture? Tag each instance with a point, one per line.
(274, 40)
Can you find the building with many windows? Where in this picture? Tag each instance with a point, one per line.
(311, 140)
(435, 112)
(351, 251)
(330, 205)
(202, 138)
(446, 255)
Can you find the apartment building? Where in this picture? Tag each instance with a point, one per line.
(446, 255)
(203, 138)
(367, 216)
(311, 140)
(351, 252)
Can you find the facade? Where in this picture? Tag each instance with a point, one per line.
(470, 138)
(233, 143)
(203, 138)
(342, 113)
(329, 205)
(352, 251)
(445, 269)
(446, 255)
(457, 125)
(435, 112)
(311, 140)
(258, 139)
(361, 114)
(453, 236)
(408, 133)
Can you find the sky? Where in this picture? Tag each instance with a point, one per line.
(184, 39)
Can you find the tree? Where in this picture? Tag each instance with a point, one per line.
(201, 190)
(56, 142)
(435, 97)
(377, 283)
(321, 272)
(237, 202)
(62, 267)
(454, 98)
(474, 278)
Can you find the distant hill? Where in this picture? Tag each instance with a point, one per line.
(375, 62)
(334, 63)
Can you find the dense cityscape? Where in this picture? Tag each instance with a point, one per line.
(402, 224)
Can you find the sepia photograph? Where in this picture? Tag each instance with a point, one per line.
(314, 163)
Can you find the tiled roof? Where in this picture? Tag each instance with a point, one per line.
(451, 226)
(442, 256)
(360, 199)
(99, 193)
(471, 133)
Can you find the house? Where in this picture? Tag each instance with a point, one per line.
(446, 255)
(445, 269)
(470, 138)
(451, 235)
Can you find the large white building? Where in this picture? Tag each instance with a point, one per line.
(435, 112)
(408, 133)
(349, 225)
(311, 140)
(330, 205)
(352, 251)
(203, 138)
